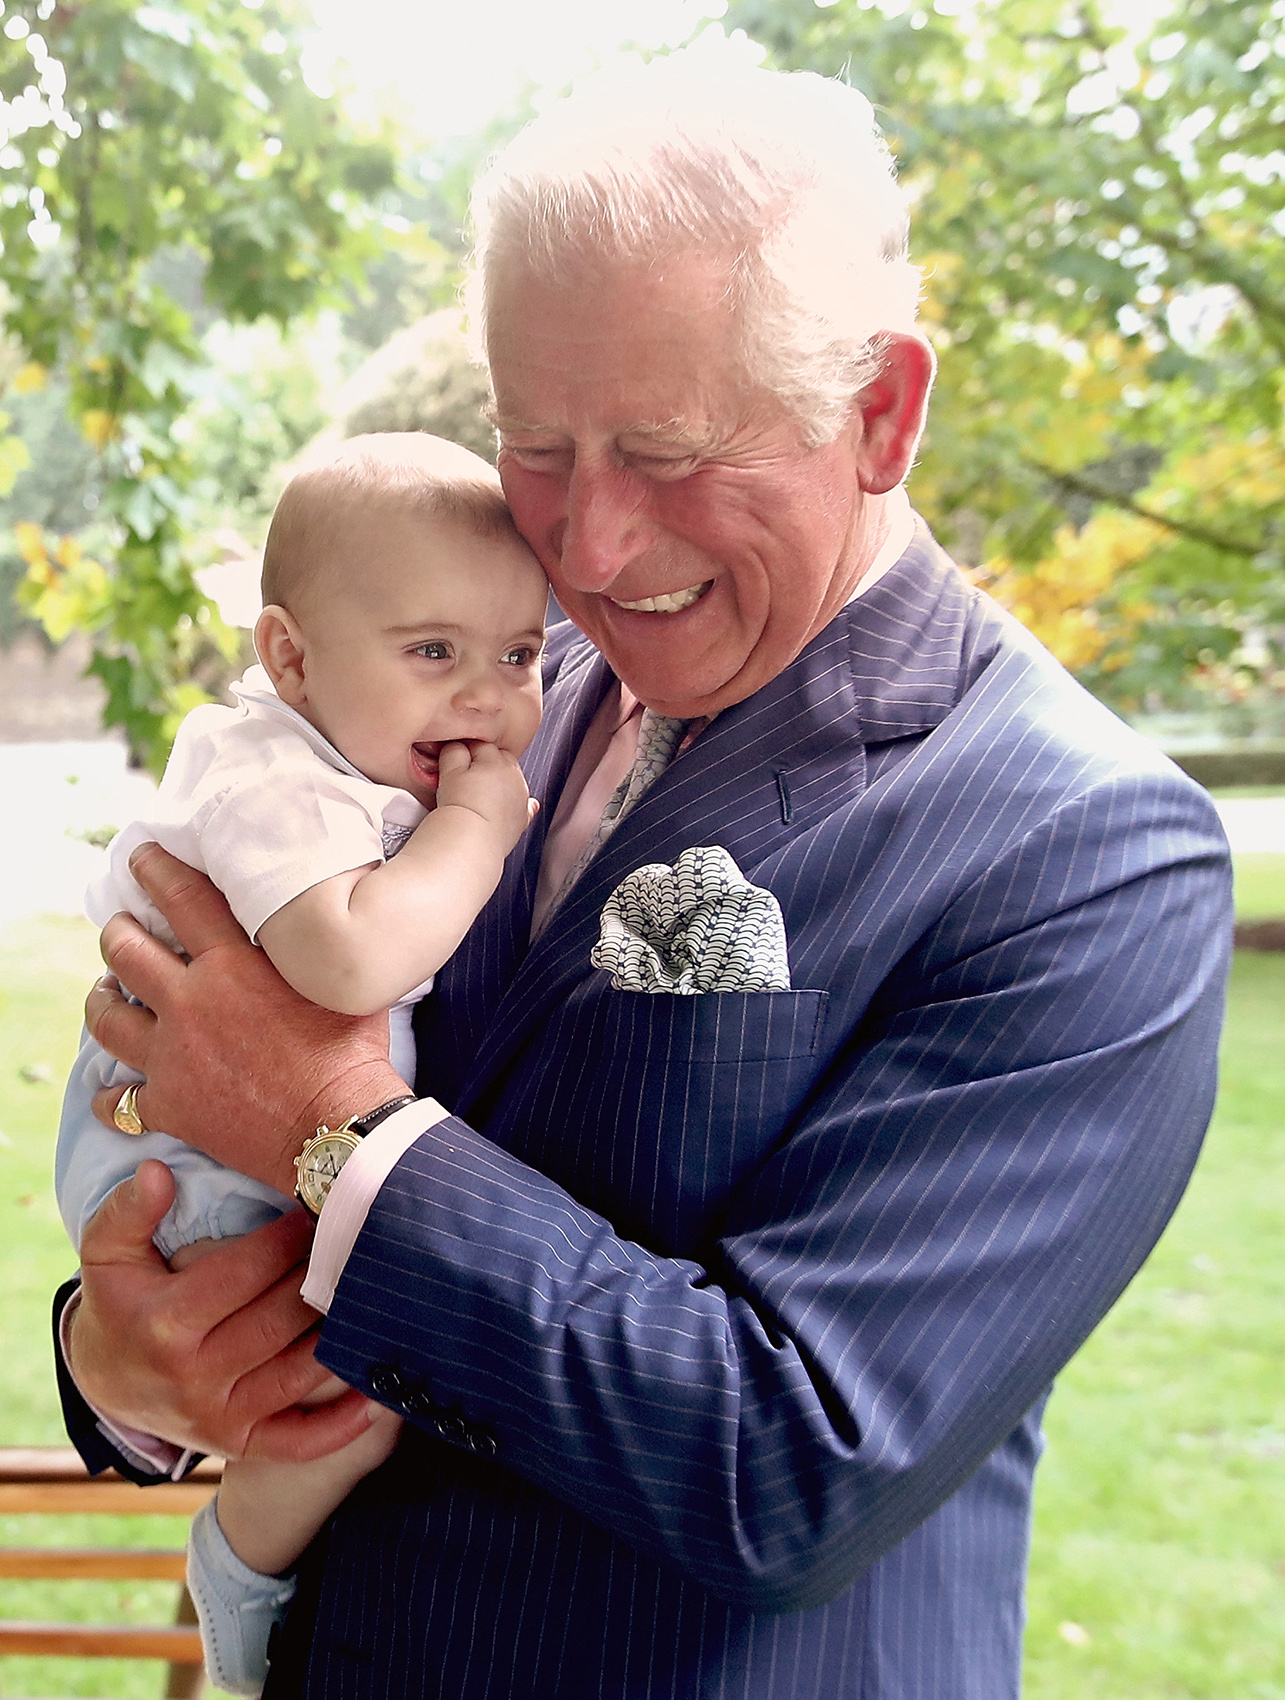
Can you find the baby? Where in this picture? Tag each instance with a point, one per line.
(356, 809)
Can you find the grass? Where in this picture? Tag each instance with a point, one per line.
(46, 966)
(1158, 1568)
(1260, 886)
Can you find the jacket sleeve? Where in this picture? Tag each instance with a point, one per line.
(995, 1149)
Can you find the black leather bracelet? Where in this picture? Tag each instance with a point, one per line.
(362, 1125)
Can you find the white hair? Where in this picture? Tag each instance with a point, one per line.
(784, 173)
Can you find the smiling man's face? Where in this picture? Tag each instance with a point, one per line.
(684, 523)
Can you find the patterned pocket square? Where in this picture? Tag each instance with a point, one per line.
(699, 926)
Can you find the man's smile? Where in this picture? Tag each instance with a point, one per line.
(672, 602)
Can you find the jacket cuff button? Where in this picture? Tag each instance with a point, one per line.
(386, 1382)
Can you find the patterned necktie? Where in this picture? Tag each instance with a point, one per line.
(659, 736)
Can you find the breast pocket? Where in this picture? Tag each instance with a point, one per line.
(653, 1109)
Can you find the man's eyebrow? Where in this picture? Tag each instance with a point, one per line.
(511, 422)
(673, 431)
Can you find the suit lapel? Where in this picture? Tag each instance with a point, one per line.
(450, 1026)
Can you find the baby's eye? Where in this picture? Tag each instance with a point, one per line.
(523, 655)
(434, 651)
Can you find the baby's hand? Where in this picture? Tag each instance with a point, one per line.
(487, 780)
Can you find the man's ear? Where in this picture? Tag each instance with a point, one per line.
(891, 411)
(279, 644)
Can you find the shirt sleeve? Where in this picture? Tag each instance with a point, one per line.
(146, 1454)
(266, 842)
(344, 1212)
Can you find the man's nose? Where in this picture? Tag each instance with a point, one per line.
(606, 525)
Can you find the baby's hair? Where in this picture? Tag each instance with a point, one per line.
(408, 471)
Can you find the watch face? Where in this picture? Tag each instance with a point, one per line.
(321, 1160)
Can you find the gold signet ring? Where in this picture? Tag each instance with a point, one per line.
(126, 1114)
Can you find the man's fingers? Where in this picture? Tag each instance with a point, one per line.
(296, 1436)
(123, 1029)
(233, 1277)
(122, 1228)
(258, 1334)
(291, 1377)
(149, 968)
(104, 1103)
(196, 909)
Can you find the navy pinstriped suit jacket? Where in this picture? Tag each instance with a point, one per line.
(722, 1337)
(723, 1322)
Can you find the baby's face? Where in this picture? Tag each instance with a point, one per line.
(427, 634)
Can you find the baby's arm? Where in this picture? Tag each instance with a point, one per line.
(358, 942)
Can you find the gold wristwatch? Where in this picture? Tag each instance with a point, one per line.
(318, 1164)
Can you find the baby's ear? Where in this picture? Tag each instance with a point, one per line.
(279, 644)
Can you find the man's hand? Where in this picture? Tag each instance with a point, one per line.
(214, 1358)
(487, 780)
(237, 1064)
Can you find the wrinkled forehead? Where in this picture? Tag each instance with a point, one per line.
(664, 340)
(698, 285)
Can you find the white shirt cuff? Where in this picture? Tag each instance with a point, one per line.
(344, 1213)
(143, 1451)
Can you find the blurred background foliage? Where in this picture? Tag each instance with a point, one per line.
(201, 248)
(166, 174)
(1099, 212)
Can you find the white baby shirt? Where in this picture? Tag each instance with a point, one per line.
(255, 797)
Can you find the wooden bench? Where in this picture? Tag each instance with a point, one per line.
(51, 1481)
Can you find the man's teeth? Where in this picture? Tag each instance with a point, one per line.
(672, 603)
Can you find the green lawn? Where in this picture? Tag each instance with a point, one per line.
(46, 967)
(1260, 886)
(1159, 1560)
(1158, 1570)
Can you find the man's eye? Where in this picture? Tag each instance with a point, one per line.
(664, 466)
(434, 651)
(535, 457)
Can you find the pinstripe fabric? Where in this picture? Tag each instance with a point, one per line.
(753, 1296)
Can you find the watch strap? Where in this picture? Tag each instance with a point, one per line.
(362, 1125)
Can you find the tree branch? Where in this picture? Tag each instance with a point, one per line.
(1083, 486)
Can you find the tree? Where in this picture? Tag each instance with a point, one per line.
(1099, 212)
(160, 165)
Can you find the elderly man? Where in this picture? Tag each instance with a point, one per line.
(722, 1319)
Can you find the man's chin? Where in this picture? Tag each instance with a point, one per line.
(690, 686)
(684, 699)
